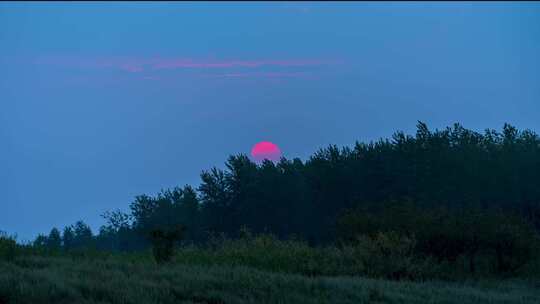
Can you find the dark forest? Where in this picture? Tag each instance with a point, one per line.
(455, 192)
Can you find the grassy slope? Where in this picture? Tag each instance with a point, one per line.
(34, 279)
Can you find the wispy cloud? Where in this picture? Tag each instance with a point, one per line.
(265, 75)
(136, 65)
(183, 63)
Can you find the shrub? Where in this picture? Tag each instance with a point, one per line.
(163, 241)
(456, 237)
(8, 247)
(387, 254)
(514, 243)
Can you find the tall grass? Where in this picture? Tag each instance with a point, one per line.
(36, 279)
(252, 269)
(386, 256)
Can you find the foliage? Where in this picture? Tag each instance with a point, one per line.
(121, 278)
(454, 201)
(40, 241)
(386, 255)
(68, 238)
(8, 247)
(163, 241)
(54, 240)
(444, 235)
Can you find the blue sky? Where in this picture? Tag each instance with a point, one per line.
(100, 102)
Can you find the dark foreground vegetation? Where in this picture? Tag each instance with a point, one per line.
(251, 269)
(350, 225)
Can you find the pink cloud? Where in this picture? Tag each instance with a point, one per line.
(265, 75)
(135, 65)
(188, 63)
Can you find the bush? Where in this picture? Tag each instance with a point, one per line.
(8, 248)
(464, 239)
(385, 255)
(163, 241)
(388, 255)
(514, 243)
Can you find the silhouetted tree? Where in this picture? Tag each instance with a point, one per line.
(83, 235)
(54, 240)
(40, 241)
(68, 238)
(445, 181)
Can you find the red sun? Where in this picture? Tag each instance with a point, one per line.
(266, 150)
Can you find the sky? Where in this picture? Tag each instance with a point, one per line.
(100, 102)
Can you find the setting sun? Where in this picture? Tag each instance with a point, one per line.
(266, 150)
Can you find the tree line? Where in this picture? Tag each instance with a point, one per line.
(436, 177)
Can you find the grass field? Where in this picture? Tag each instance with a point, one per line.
(119, 279)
